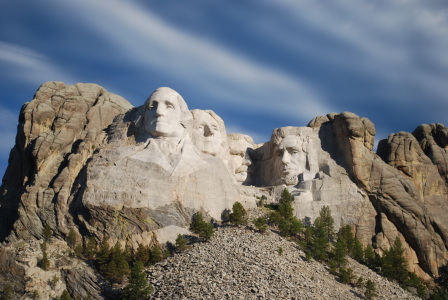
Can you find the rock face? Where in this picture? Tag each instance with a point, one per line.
(86, 159)
(58, 131)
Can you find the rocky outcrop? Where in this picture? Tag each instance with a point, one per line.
(58, 132)
(64, 272)
(409, 197)
(433, 140)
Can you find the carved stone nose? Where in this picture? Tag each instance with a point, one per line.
(207, 131)
(286, 157)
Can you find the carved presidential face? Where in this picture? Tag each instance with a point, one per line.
(206, 133)
(163, 114)
(290, 159)
(240, 160)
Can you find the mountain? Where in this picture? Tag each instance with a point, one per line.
(86, 161)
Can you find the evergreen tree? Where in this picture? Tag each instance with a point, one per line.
(103, 256)
(128, 253)
(325, 222)
(199, 226)
(357, 252)
(156, 254)
(71, 238)
(394, 263)
(339, 253)
(290, 226)
(261, 224)
(346, 275)
(44, 262)
(371, 258)
(274, 218)
(90, 248)
(346, 233)
(117, 266)
(370, 291)
(142, 254)
(323, 232)
(285, 208)
(181, 243)
(47, 233)
(238, 215)
(138, 287)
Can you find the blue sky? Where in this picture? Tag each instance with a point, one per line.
(258, 64)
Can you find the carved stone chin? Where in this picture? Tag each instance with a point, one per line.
(291, 179)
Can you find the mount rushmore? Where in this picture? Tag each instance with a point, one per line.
(86, 159)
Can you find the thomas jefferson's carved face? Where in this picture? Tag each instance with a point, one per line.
(290, 159)
(162, 116)
(206, 134)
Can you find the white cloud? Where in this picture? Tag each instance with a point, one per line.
(28, 66)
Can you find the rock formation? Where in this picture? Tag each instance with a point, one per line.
(86, 159)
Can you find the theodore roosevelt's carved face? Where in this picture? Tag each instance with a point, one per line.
(163, 114)
(206, 134)
(290, 159)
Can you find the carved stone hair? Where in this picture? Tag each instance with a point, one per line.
(282, 132)
(186, 117)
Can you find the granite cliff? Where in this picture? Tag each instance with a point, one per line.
(85, 159)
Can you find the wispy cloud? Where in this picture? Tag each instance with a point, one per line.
(27, 66)
(225, 74)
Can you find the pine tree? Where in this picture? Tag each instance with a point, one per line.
(103, 256)
(238, 215)
(47, 233)
(44, 262)
(138, 287)
(339, 253)
(394, 263)
(326, 222)
(285, 208)
(181, 243)
(261, 224)
(370, 291)
(274, 218)
(357, 252)
(199, 226)
(90, 248)
(156, 254)
(117, 266)
(346, 275)
(371, 258)
(142, 254)
(346, 233)
(71, 238)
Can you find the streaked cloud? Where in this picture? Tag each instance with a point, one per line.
(225, 75)
(28, 66)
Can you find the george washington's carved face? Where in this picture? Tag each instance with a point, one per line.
(163, 114)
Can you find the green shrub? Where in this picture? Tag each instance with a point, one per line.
(238, 215)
